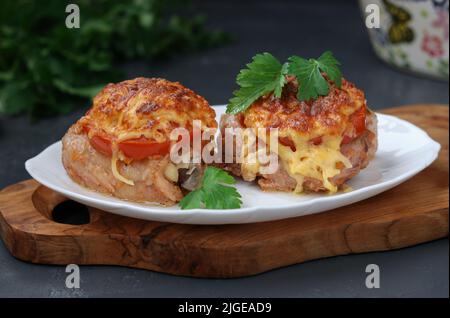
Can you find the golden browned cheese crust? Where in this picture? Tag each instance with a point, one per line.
(149, 107)
(326, 115)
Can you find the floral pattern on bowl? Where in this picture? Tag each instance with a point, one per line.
(413, 35)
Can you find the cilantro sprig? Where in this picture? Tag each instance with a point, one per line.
(216, 192)
(265, 74)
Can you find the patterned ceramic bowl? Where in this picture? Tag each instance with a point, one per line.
(412, 35)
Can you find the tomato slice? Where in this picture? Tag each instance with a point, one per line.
(101, 144)
(141, 148)
(138, 148)
(358, 120)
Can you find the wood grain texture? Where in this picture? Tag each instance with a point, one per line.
(412, 213)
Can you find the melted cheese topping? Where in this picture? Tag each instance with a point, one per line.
(116, 172)
(321, 162)
(250, 164)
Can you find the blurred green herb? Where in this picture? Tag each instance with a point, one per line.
(48, 69)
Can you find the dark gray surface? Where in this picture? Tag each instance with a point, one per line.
(421, 271)
(282, 28)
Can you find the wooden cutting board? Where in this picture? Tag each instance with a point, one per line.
(412, 213)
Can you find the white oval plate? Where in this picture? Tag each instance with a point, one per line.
(404, 150)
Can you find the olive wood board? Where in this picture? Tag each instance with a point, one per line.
(411, 213)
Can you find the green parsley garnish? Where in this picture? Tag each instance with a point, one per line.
(266, 74)
(309, 76)
(263, 75)
(215, 192)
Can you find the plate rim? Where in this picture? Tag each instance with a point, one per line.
(213, 214)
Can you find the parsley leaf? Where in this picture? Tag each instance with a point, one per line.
(192, 200)
(329, 65)
(309, 76)
(263, 75)
(311, 82)
(215, 192)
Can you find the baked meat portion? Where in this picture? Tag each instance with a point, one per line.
(92, 169)
(121, 146)
(321, 143)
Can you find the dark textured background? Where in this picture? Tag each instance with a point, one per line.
(282, 28)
